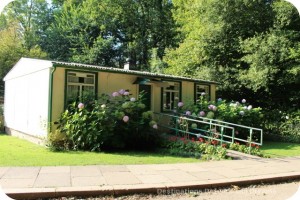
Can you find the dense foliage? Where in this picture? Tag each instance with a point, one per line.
(112, 122)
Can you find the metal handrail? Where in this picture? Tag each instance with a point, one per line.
(215, 123)
(238, 125)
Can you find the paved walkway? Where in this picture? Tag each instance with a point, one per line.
(33, 182)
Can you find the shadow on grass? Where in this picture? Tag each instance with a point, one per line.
(279, 146)
(280, 149)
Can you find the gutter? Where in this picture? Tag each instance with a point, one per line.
(52, 70)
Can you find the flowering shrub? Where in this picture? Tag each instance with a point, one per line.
(253, 150)
(234, 112)
(115, 121)
(197, 148)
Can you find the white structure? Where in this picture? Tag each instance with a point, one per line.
(27, 91)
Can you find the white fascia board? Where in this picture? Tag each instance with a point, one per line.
(27, 66)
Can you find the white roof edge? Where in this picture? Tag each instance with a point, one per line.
(26, 66)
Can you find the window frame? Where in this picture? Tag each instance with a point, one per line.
(67, 71)
(208, 95)
(162, 95)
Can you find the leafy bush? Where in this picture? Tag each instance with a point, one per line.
(115, 121)
(181, 146)
(253, 150)
(282, 125)
(234, 112)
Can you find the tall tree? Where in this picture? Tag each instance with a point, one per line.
(108, 32)
(250, 46)
(273, 59)
(34, 17)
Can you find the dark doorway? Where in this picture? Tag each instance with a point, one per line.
(146, 90)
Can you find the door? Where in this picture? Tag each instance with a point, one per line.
(147, 95)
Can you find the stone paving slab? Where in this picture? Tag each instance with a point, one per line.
(83, 171)
(33, 182)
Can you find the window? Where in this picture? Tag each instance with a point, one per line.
(170, 96)
(199, 89)
(80, 86)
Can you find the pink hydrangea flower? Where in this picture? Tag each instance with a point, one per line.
(115, 94)
(202, 114)
(80, 105)
(188, 112)
(180, 104)
(125, 118)
(214, 108)
(126, 93)
(210, 107)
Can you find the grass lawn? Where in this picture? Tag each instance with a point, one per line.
(279, 149)
(18, 152)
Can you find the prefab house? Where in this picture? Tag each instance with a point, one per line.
(38, 91)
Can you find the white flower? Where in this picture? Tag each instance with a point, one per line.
(103, 106)
(249, 107)
(132, 99)
(243, 100)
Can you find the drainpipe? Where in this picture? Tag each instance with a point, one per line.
(52, 70)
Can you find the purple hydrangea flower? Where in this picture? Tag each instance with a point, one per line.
(180, 104)
(80, 105)
(202, 114)
(125, 118)
(121, 91)
(188, 112)
(126, 93)
(220, 99)
(115, 94)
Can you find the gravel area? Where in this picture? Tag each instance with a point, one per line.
(280, 191)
